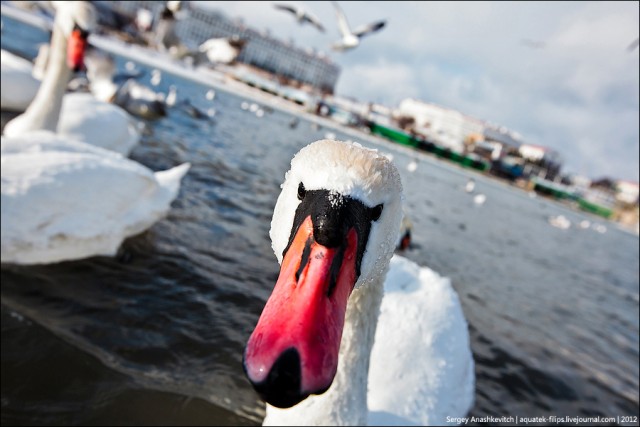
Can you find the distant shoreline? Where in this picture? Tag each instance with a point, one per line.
(221, 81)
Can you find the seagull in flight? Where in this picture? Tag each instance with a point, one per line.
(351, 39)
(301, 14)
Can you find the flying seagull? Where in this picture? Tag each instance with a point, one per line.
(301, 15)
(351, 39)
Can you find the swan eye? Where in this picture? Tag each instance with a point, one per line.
(376, 212)
(301, 191)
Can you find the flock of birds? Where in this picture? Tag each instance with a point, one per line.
(69, 191)
(350, 39)
(564, 223)
(224, 50)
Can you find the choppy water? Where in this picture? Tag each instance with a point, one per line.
(155, 336)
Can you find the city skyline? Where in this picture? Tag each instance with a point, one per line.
(560, 74)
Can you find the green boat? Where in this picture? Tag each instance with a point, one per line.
(405, 138)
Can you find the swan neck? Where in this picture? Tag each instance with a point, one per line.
(44, 110)
(345, 403)
(351, 381)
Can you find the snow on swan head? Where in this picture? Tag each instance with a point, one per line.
(334, 229)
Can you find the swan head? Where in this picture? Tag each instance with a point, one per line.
(70, 14)
(334, 229)
(75, 20)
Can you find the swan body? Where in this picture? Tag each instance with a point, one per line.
(132, 96)
(354, 347)
(18, 85)
(470, 185)
(422, 326)
(75, 116)
(105, 125)
(65, 200)
(479, 199)
(61, 198)
(559, 221)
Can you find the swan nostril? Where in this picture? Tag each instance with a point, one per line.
(281, 388)
(328, 230)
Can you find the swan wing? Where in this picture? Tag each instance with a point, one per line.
(14, 62)
(98, 123)
(19, 87)
(66, 200)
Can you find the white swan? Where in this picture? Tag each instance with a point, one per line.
(479, 199)
(18, 86)
(76, 115)
(64, 200)
(470, 185)
(21, 79)
(134, 97)
(559, 221)
(334, 229)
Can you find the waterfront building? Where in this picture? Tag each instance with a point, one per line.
(445, 126)
(542, 162)
(288, 64)
(627, 192)
(627, 210)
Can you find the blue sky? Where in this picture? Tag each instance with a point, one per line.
(558, 73)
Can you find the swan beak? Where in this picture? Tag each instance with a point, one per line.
(76, 47)
(293, 351)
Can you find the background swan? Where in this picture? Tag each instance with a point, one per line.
(21, 79)
(18, 86)
(78, 116)
(334, 230)
(129, 94)
(64, 200)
